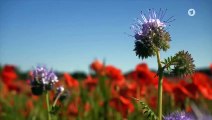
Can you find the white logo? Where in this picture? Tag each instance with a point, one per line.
(191, 12)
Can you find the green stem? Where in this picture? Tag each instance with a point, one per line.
(48, 106)
(160, 86)
(55, 101)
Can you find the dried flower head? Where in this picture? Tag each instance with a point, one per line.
(180, 116)
(184, 64)
(42, 80)
(150, 33)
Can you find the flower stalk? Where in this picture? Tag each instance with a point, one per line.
(42, 81)
(160, 86)
(48, 106)
(151, 37)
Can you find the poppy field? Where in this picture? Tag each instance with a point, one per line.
(104, 94)
(176, 90)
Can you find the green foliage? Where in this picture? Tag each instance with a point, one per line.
(168, 63)
(181, 64)
(144, 48)
(54, 110)
(161, 38)
(150, 115)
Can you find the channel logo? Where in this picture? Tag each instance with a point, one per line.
(191, 12)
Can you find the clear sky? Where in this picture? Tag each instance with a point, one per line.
(67, 35)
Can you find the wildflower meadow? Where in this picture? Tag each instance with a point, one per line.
(176, 90)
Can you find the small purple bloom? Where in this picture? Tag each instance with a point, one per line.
(180, 116)
(39, 74)
(42, 80)
(51, 77)
(43, 76)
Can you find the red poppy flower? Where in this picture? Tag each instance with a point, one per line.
(123, 105)
(168, 85)
(72, 109)
(128, 90)
(115, 75)
(90, 83)
(8, 74)
(153, 102)
(71, 82)
(97, 66)
(87, 106)
(183, 90)
(203, 84)
(145, 76)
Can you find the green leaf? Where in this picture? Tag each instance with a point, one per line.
(150, 115)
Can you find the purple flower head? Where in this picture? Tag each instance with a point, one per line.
(150, 33)
(42, 80)
(180, 116)
(40, 74)
(51, 78)
(151, 21)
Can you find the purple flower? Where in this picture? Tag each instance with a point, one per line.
(42, 80)
(154, 20)
(180, 116)
(40, 74)
(51, 78)
(43, 76)
(150, 34)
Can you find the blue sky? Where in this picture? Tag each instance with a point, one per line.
(67, 35)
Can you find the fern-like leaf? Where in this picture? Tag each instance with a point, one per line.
(150, 115)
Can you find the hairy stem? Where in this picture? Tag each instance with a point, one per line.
(160, 86)
(48, 106)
